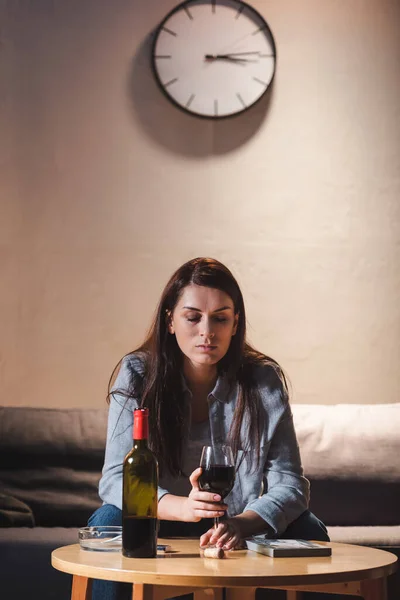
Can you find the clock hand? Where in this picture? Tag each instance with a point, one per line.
(255, 53)
(226, 57)
(232, 57)
(241, 53)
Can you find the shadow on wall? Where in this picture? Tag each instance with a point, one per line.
(177, 131)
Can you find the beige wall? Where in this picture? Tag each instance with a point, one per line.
(106, 188)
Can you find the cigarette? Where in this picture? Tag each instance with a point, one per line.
(213, 553)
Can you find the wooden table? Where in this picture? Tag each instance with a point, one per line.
(356, 570)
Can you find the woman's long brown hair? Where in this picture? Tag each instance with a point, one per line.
(160, 389)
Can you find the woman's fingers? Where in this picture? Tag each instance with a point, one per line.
(205, 538)
(208, 514)
(218, 532)
(232, 544)
(227, 540)
(203, 505)
(207, 497)
(212, 535)
(194, 478)
(213, 507)
(226, 536)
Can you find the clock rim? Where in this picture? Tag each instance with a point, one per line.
(186, 110)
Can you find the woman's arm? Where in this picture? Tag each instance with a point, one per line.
(119, 433)
(119, 437)
(286, 490)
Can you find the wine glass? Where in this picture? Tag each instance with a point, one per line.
(218, 471)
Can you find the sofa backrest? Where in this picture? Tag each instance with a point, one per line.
(51, 459)
(351, 454)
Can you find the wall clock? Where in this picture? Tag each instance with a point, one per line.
(214, 58)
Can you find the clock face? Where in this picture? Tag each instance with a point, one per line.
(214, 58)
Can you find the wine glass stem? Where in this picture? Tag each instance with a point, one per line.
(216, 522)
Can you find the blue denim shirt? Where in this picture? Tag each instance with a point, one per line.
(276, 490)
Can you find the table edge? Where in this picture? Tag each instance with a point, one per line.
(93, 572)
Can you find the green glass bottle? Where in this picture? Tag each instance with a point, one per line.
(139, 497)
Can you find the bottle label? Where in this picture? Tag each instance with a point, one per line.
(141, 424)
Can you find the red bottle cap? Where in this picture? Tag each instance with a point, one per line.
(141, 424)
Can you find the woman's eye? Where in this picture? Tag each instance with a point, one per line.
(197, 319)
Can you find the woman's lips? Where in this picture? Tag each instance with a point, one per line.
(206, 348)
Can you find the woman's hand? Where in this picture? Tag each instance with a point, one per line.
(201, 505)
(227, 535)
(230, 533)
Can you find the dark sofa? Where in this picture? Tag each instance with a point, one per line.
(50, 464)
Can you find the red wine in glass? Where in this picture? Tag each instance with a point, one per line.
(218, 471)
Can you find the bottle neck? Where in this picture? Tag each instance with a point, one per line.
(140, 443)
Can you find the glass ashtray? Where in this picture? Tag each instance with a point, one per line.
(102, 538)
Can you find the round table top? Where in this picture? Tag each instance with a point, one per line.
(185, 566)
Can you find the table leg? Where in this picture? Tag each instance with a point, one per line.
(293, 595)
(208, 594)
(142, 591)
(81, 588)
(374, 589)
(247, 593)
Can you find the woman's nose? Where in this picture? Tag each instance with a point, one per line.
(207, 333)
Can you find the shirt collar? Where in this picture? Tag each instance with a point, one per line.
(220, 391)
(222, 388)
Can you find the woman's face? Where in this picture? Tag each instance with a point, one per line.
(203, 322)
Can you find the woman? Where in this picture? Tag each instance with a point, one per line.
(203, 383)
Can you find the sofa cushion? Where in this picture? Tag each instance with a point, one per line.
(54, 461)
(382, 535)
(15, 513)
(25, 568)
(350, 453)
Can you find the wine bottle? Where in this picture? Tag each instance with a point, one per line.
(139, 497)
